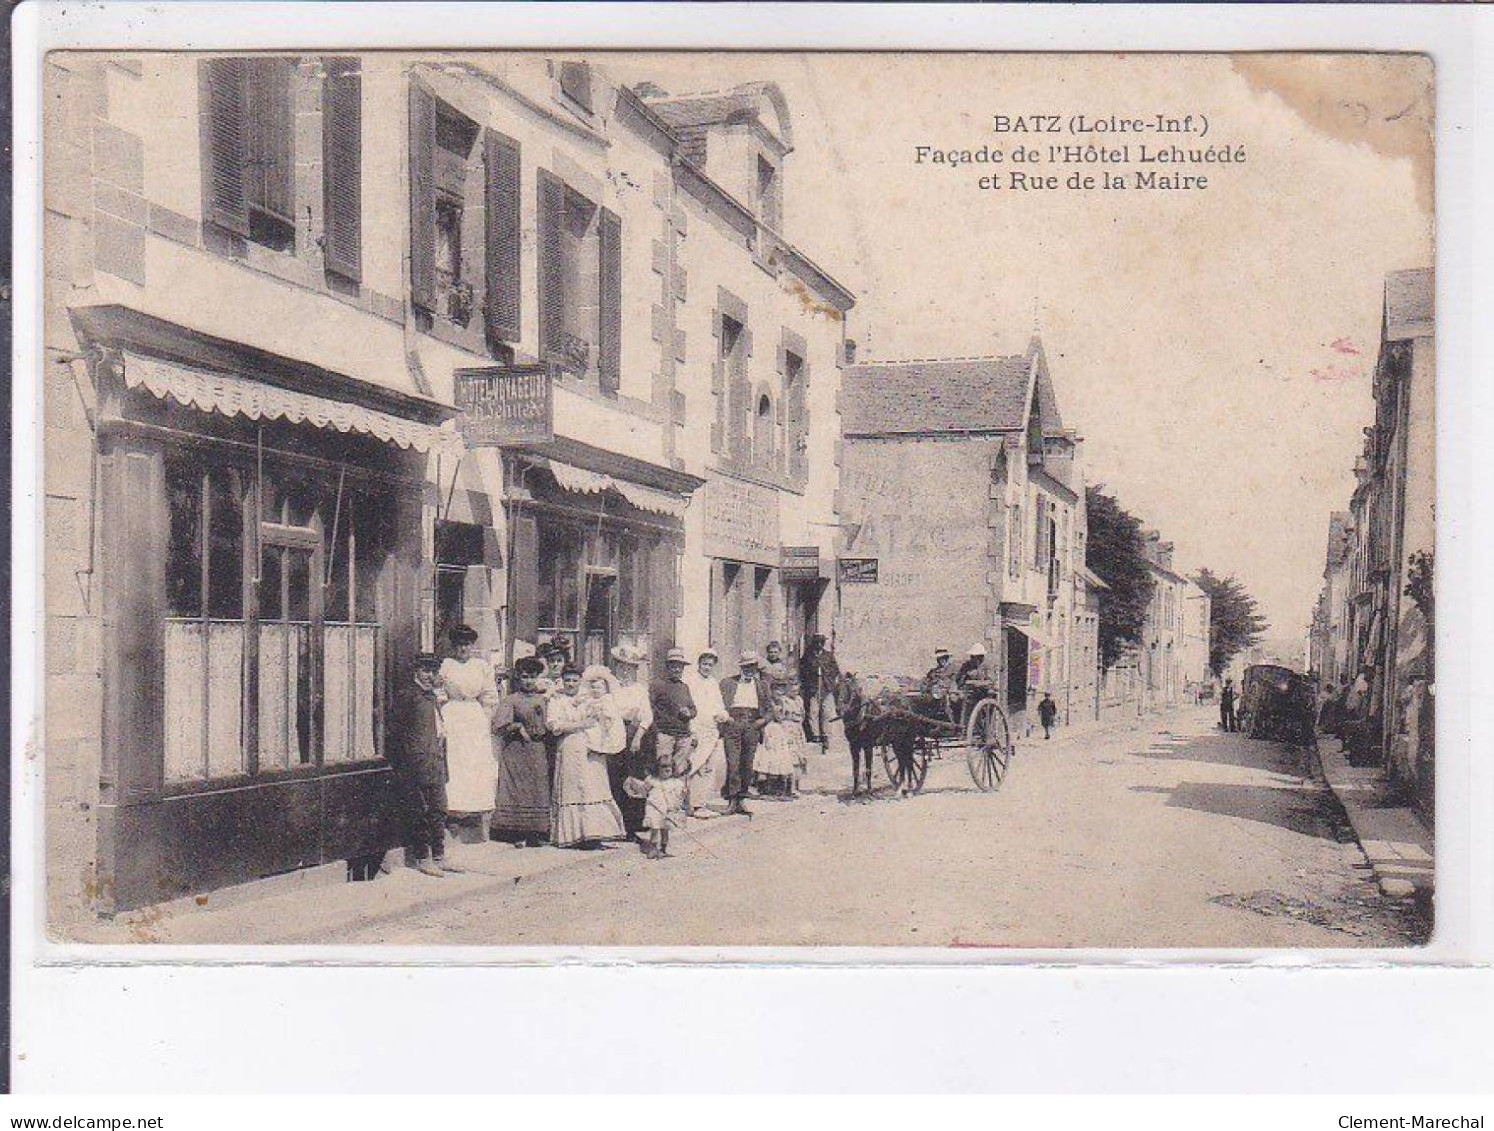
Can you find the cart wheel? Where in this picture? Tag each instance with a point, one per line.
(924, 751)
(912, 780)
(988, 745)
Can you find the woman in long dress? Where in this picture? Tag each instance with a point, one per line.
(708, 759)
(523, 805)
(466, 717)
(591, 730)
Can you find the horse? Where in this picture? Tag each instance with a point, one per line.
(874, 721)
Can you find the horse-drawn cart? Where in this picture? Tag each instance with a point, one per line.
(911, 729)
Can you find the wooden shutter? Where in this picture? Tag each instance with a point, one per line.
(739, 420)
(501, 157)
(342, 167)
(422, 198)
(798, 416)
(269, 151)
(223, 88)
(524, 568)
(609, 309)
(551, 266)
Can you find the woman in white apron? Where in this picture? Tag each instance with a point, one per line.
(472, 697)
(708, 759)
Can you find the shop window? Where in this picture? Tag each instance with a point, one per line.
(314, 621)
(559, 588)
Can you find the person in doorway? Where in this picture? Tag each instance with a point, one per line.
(749, 702)
(632, 700)
(421, 768)
(1047, 714)
(472, 698)
(555, 658)
(707, 782)
(663, 791)
(1227, 707)
(522, 807)
(818, 676)
(591, 730)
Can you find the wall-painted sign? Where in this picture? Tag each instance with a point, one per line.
(800, 563)
(858, 571)
(741, 521)
(501, 406)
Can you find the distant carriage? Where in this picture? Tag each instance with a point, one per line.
(1277, 702)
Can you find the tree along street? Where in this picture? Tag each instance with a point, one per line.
(1166, 834)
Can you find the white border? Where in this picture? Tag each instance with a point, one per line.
(47, 995)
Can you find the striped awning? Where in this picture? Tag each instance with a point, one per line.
(208, 391)
(586, 482)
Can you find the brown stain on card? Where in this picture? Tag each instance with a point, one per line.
(1385, 101)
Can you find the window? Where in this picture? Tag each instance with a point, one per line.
(291, 609)
(575, 83)
(580, 283)
(248, 163)
(448, 241)
(762, 433)
(1014, 540)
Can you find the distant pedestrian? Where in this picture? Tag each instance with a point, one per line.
(420, 764)
(1047, 714)
(1227, 718)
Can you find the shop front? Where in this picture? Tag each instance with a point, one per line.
(760, 589)
(260, 560)
(596, 541)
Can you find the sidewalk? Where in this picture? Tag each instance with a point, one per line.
(1397, 843)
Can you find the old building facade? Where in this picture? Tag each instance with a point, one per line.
(1375, 612)
(260, 312)
(964, 491)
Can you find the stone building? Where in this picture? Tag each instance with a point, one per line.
(963, 523)
(1377, 598)
(269, 280)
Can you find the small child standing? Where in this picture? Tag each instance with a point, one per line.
(422, 770)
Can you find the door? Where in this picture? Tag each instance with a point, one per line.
(599, 628)
(290, 647)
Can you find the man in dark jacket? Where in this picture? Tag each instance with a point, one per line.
(420, 766)
(748, 699)
(1047, 714)
(818, 675)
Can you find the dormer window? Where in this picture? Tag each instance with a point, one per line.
(769, 196)
(575, 83)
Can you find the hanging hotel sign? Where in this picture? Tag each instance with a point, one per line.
(858, 571)
(800, 563)
(505, 406)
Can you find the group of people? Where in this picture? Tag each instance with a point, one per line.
(947, 682)
(580, 757)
